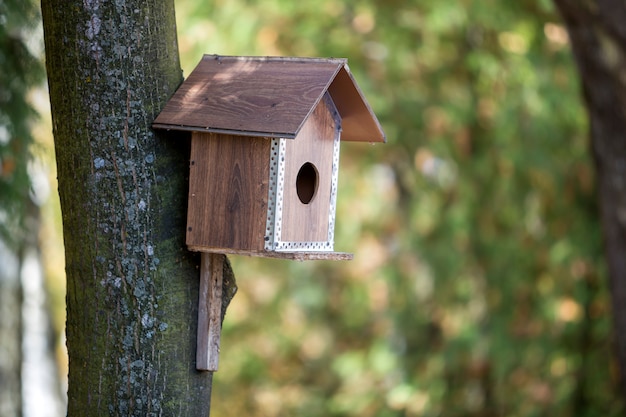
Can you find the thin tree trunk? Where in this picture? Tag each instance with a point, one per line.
(132, 288)
(598, 37)
(41, 393)
(10, 333)
(19, 72)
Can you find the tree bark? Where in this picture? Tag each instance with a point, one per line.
(598, 39)
(132, 288)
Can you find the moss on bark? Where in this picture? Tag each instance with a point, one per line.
(132, 288)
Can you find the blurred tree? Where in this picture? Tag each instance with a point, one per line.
(20, 70)
(598, 37)
(132, 288)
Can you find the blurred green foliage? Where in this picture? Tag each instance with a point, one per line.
(478, 286)
(20, 71)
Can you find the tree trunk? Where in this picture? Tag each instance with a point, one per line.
(598, 37)
(10, 333)
(132, 288)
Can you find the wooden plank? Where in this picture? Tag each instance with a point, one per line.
(298, 256)
(269, 96)
(314, 144)
(209, 312)
(228, 189)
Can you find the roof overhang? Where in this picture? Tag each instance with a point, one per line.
(267, 97)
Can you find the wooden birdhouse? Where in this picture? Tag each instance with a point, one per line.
(265, 135)
(265, 152)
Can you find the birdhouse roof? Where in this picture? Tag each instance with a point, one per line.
(268, 97)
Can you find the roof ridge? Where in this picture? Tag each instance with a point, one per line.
(268, 58)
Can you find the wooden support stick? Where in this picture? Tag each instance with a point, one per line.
(209, 311)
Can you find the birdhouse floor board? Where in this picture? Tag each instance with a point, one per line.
(297, 256)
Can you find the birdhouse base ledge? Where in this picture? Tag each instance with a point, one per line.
(298, 256)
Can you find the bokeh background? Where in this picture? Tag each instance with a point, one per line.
(478, 286)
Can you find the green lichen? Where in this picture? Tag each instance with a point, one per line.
(132, 286)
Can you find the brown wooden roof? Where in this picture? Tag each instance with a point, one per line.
(267, 96)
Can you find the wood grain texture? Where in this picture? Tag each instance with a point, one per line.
(228, 183)
(314, 144)
(267, 96)
(209, 312)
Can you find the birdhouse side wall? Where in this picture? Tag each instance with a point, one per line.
(228, 189)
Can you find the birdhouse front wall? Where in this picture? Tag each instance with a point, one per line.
(304, 171)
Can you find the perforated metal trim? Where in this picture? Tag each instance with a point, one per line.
(275, 193)
(333, 190)
(304, 246)
(328, 246)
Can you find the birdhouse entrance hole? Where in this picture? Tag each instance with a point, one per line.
(307, 182)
